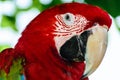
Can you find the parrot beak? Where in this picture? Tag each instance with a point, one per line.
(89, 46)
(95, 49)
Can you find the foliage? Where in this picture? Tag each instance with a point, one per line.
(2, 47)
(8, 21)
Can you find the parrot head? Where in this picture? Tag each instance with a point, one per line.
(71, 33)
(81, 35)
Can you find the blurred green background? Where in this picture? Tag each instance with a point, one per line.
(16, 14)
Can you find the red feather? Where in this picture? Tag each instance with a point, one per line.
(37, 45)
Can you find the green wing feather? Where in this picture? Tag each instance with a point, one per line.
(15, 71)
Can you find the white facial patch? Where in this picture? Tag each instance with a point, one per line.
(66, 26)
(69, 23)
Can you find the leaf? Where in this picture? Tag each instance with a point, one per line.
(2, 0)
(111, 6)
(8, 21)
(2, 47)
(42, 7)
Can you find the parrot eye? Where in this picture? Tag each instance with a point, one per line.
(68, 18)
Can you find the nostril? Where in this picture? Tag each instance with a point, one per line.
(94, 24)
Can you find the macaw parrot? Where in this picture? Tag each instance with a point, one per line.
(65, 42)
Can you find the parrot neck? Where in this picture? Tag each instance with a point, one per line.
(43, 61)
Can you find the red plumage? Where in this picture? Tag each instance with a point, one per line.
(37, 45)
